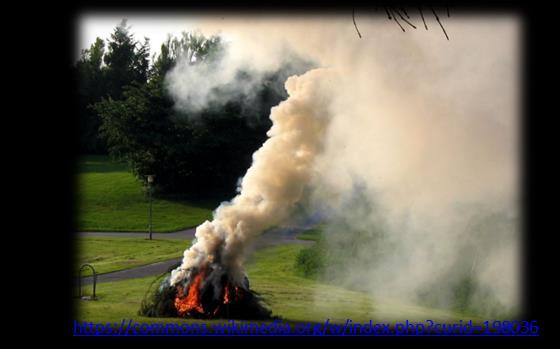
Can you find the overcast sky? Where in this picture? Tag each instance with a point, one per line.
(89, 26)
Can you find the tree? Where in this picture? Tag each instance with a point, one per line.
(91, 87)
(126, 62)
(196, 48)
(137, 127)
(143, 128)
(204, 153)
(106, 74)
(162, 62)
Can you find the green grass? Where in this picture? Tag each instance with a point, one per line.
(110, 198)
(291, 297)
(108, 254)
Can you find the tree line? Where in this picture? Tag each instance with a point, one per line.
(125, 110)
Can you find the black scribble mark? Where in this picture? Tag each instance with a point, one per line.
(441, 25)
(388, 15)
(422, 15)
(355, 25)
(396, 20)
(404, 11)
(405, 20)
(390, 11)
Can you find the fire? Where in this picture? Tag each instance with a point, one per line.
(227, 297)
(228, 293)
(208, 292)
(196, 302)
(191, 303)
(231, 294)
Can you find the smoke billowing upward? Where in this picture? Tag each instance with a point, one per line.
(428, 130)
(275, 181)
(232, 73)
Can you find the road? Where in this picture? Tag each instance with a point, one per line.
(278, 236)
(186, 234)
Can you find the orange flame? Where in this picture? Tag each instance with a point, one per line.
(228, 293)
(227, 296)
(191, 303)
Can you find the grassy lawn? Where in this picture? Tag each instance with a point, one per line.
(109, 254)
(112, 199)
(271, 273)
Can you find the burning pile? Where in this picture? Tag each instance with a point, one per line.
(210, 282)
(207, 293)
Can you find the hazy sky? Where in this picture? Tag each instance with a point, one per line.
(89, 26)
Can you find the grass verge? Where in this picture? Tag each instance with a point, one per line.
(271, 273)
(109, 254)
(110, 198)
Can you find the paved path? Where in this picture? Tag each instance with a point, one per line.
(186, 234)
(279, 236)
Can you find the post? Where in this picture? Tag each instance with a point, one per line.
(150, 214)
(150, 180)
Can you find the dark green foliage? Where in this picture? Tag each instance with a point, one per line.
(90, 88)
(194, 154)
(201, 158)
(310, 262)
(126, 61)
(100, 74)
(136, 127)
(159, 300)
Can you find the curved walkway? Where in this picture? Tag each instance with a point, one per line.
(278, 236)
(185, 234)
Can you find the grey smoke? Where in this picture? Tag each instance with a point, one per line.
(427, 127)
(228, 76)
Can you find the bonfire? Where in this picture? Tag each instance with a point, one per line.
(210, 282)
(208, 293)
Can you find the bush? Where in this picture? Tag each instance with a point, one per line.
(310, 262)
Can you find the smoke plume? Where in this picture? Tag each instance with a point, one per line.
(425, 130)
(275, 181)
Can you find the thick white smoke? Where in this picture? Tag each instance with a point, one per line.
(275, 181)
(195, 86)
(428, 127)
